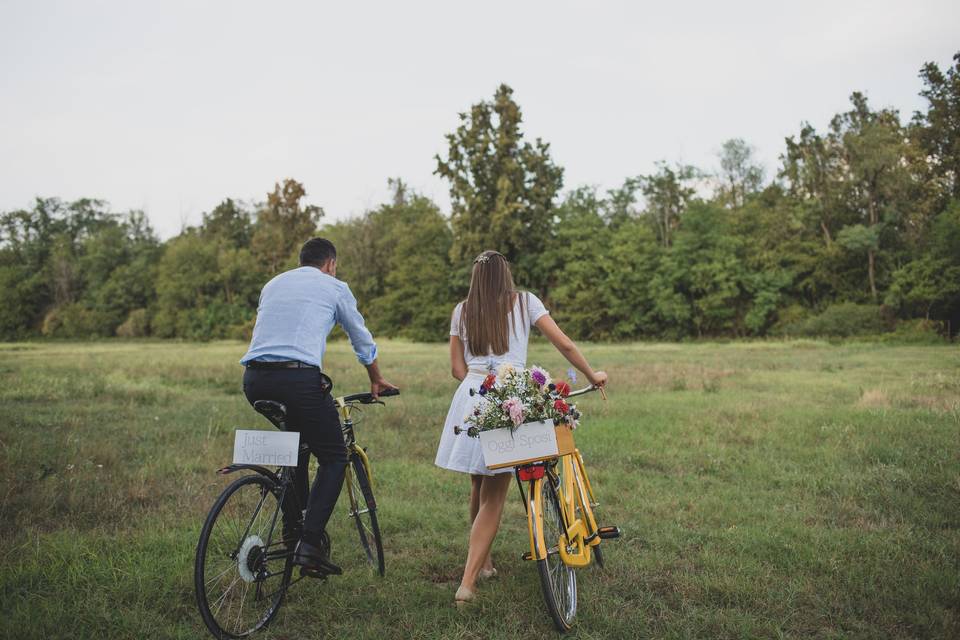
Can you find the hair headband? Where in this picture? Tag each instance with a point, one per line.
(483, 258)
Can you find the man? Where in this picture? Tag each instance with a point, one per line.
(297, 311)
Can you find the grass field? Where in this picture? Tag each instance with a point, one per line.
(766, 490)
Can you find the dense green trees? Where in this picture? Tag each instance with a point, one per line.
(859, 230)
(397, 261)
(502, 189)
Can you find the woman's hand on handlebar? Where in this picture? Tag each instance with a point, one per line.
(599, 379)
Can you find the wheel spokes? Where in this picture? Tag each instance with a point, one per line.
(562, 577)
(237, 557)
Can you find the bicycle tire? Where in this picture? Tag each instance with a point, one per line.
(598, 555)
(250, 544)
(363, 511)
(557, 580)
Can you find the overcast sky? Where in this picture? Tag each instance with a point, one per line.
(172, 106)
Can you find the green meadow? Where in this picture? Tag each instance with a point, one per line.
(765, 490)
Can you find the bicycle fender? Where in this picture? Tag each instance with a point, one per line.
(538, 549)
(366, 463)
(223, 471)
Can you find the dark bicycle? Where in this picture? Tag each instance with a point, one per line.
(244, 561)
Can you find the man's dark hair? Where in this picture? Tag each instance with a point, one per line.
(316, 252)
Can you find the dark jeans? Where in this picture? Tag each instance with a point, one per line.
(312, 412)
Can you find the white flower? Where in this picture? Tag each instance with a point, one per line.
(504, 370)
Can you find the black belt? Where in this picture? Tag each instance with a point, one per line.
(281, 364)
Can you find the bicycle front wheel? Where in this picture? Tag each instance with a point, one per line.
(363, 512)
(242, 567)
(559, 581)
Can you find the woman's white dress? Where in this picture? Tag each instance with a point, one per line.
(461, 452)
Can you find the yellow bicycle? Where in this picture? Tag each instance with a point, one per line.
(564, 534)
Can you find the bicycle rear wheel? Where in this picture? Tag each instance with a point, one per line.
(242, 567)
(363, 511)
(559, 581)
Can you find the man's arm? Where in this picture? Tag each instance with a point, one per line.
(362, 341)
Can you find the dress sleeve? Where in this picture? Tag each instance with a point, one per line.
(455, 320)
(535, 309)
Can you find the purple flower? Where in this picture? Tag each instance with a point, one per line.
(572, 375)
(483, 391)
(538, 377)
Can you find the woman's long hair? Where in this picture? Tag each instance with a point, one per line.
(488, 312)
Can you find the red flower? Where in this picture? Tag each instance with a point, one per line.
(563, 389)
(560, 406)
(489, 380)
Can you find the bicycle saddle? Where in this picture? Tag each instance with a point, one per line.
(273, 411)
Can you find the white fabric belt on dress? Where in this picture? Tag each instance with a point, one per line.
(485, 372)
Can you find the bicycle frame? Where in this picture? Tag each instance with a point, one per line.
(573, 488)
(349, 438)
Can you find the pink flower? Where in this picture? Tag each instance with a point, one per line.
(514, 408)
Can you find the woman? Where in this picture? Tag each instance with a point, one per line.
(489, 329)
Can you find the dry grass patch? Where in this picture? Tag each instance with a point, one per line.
(938, 404)
(874, 399)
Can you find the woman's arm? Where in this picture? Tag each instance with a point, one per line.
(458, 365)
(568, 348)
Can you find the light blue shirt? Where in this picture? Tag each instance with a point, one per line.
(297, 311)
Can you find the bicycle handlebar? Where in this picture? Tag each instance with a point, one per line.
(580, 392)
(367, 398)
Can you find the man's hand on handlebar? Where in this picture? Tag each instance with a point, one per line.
(377, 383)
(379, 386)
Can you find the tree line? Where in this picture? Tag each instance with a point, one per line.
(858, 232)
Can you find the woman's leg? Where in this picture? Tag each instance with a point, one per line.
(493, 494)
(476, 481)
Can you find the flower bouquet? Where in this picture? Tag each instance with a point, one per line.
(515, 396)
(525, 417)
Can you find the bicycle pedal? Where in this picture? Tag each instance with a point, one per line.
(608, 533)
(309, 573)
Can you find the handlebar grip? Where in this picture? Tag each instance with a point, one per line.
(389, 392)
